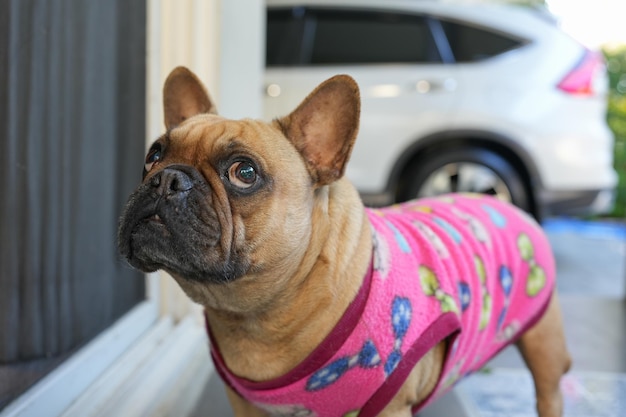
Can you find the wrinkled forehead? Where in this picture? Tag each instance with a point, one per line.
(210, 127)
(209, 134)
(203, 128)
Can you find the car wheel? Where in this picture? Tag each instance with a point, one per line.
(464, 170)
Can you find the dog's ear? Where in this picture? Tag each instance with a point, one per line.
(184, 96)
(324, 127)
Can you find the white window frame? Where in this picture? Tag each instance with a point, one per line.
(56, 391)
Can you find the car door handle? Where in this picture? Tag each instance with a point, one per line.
(429, 86)
(273, 90)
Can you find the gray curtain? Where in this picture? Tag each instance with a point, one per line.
(72, 111)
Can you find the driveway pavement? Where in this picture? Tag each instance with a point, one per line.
(590, 256)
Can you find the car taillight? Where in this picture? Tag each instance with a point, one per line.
(583, 78)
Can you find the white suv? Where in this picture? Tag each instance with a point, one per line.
(484, 98)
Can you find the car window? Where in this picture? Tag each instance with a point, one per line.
(364, 37)
(470, 43)
(284, 37)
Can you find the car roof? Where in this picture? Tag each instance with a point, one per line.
(524, 21)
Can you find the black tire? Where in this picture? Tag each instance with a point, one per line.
(414, 181)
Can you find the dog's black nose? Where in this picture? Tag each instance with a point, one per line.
(171, 182)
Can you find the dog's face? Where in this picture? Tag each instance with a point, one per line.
(224, 200)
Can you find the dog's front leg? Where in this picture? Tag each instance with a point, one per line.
(420, 383)
(241, 407)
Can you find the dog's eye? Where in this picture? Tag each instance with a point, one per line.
(153, 157)
(242, 174)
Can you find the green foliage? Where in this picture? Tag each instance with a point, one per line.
(616, 118)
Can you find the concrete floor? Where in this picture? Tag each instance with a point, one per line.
(592, 285)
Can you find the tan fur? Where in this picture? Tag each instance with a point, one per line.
(419, 384)
(184, 96)
(545, 353)
(302, 309)
(307, 241)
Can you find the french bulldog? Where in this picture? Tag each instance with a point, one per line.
(314, 304)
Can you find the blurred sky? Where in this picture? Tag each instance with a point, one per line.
(592, 22)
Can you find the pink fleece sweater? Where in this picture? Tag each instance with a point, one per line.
(467, 269)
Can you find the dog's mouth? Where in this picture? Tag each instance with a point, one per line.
(170, 236)
(155, 218)
(182, 236)
(152, 223)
